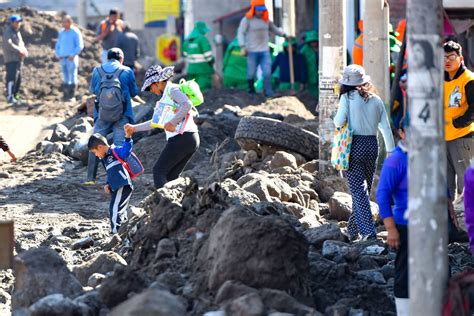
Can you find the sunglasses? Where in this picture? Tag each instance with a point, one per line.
(451, 57)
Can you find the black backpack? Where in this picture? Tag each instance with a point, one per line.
(110, 99)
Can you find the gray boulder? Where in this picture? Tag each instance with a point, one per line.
(60, 133)
(332, 248)
(102, 263)
(82, 125)
(318, 235)
(283, 159)
(40, 272)
(250, 158)
(340, 207)
(166, 249)
(373, 276)
(236, 195)
(231, 290)
(249, 304)
(77, 148)
(151, 302)
(95, 280)
(283, 302)
(57, 305)
(267, 250)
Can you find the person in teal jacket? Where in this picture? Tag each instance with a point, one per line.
(310, 50)
(198, 53)
(235, 67)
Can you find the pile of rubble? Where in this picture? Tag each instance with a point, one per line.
(243, 232)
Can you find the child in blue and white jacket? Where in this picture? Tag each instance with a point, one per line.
(119, 183)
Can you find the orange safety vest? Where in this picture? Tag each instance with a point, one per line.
(358, 51)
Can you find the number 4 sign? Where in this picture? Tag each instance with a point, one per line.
(422, 117)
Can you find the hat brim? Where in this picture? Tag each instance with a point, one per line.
(148, 82)
(364, 80)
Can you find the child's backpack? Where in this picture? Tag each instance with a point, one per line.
(133, 165)
(110, 98)
(192, 90)
(459, 300)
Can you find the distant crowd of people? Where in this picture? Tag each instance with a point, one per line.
(111, 32)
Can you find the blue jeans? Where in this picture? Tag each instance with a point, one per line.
(104, 128)
(264, 60)
(69, 68)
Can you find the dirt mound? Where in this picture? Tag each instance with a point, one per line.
(41, 73)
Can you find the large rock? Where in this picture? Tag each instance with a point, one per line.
(57, 305)
(117, 288)
(104, 262)
(151, 302)
(332, 249)
(283, 159)
(309, 218)
(82, 125)
(231, 290)
(282, 302)
(166, 249)
(249, 304)
(267, 250)
(317, 236)
(267, 189)
(60, 133)
(77, 148)
(236, 195)
(47, 147)
(340, 207)
(40, 272)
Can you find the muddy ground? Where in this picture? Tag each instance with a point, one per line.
(240, 233)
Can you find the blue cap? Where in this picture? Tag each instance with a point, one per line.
(15, 18)
(261, 8)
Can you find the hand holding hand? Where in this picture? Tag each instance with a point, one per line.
(169, 127)
(71, 58)
(107, 188)
(243, 52)
(129, 130)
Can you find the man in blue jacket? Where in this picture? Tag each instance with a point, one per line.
(126, 87)
(68, 48)
(119, 183)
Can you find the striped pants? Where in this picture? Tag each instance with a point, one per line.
(118, 207)
(360, 175)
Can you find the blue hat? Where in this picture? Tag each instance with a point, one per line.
(261, 8)
(15, 18)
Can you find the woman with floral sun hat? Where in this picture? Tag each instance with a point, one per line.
(365, 112)
(180, 147)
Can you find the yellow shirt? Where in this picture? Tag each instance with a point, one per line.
(456, 98)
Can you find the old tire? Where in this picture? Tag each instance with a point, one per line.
(265, 131)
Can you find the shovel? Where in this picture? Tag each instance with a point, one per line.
(292, 68)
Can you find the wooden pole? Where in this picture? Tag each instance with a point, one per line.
(427, 202)
(292, 66)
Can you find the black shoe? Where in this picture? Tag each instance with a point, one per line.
(251, 83)
(457, 235)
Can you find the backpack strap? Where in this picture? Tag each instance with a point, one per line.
(117, 156)
(101, 71)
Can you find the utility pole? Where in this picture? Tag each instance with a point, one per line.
(377, 54)
(428, 261)
(82, 13)
(376, 46)
(332, 60)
